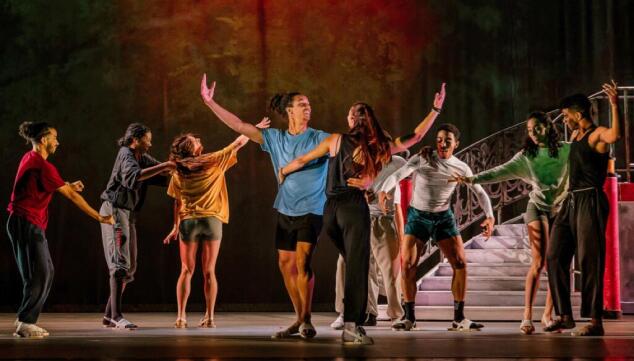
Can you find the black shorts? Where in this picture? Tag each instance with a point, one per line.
(291, 230)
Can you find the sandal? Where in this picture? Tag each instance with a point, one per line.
(526, 327)
(290, 331)
(207, 323)
(180, 323)
(307, 330)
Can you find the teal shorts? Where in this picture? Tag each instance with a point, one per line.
(435, 225)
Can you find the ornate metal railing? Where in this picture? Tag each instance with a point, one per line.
(500, 146)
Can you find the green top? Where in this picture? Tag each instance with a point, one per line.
(547, 176)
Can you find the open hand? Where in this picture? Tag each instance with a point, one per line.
(439, 98)
(362, 183)
(106, 219)
(207, 93)
(280, 176)
(612, 92)
(77, 186)
(460, 179)
(383, 198)
(487, 226)
(172, 236)
(264, 123)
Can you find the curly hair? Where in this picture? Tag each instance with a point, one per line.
(34, 131)
(281, 101)
(372, 140)
(182, 153)
(531, 148)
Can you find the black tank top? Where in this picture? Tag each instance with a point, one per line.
(587, 167)
(341, 167)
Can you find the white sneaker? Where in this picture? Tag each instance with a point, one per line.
(338, 323)
(403, 325)
(356, 336)
(465, 325)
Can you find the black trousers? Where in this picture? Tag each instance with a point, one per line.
(579, 226)
(347, 224)
(30, 249)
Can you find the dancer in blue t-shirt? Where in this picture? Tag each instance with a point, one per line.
(299, 201)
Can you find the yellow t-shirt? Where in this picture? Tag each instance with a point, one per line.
(204, 193)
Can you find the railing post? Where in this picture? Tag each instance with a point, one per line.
(626, 129)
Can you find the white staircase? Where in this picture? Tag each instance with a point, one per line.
(496, 270)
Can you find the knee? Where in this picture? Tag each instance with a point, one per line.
(209, 272)
(538, 264)
(286, 265)
(187, 270)
(459, 263)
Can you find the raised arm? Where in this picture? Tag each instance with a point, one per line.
(67, 191)
(230, 119)
(612, 134)
(406, 141)
(298, 163)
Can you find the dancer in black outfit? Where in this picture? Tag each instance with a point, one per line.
(580, 225)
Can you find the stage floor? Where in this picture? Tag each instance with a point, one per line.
(247, 335)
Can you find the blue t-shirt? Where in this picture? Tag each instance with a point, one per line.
(303, 191)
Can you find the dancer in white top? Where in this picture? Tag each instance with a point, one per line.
(429, 216)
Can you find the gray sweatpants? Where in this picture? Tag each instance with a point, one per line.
(119, 242)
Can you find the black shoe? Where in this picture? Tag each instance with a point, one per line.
(370, 320)
(560, 324)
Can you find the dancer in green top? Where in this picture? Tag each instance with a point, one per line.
(542, 163)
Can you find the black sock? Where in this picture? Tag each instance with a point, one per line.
(408, 307)
(458, 311)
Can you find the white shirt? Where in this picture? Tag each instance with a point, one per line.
(432, 189)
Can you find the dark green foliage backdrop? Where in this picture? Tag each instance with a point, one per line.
(92, 67)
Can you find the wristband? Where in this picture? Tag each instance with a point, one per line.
(437, 110)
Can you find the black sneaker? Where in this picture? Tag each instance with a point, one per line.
(370, 320)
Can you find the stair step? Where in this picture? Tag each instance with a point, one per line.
(498, 256)
(498, 242)
(480, 283)
(476, 313)
(510, 230)
(487, 269)
(483, 298)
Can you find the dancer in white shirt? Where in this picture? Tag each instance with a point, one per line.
(430, 217)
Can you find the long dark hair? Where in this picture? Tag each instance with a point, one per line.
(134, 131)
(530, 148)
(182, 153)
(281, 101)
(372, 140)
(34, 131)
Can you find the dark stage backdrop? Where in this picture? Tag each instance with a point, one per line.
(92, 67)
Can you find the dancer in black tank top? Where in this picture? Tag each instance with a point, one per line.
(359, 154)
(580, 225)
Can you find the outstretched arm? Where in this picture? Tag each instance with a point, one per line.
(406, 141)
(230, 119)
(157, 169)
(612, 134)
(298, 163)
(515, 168)
(67, 191)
